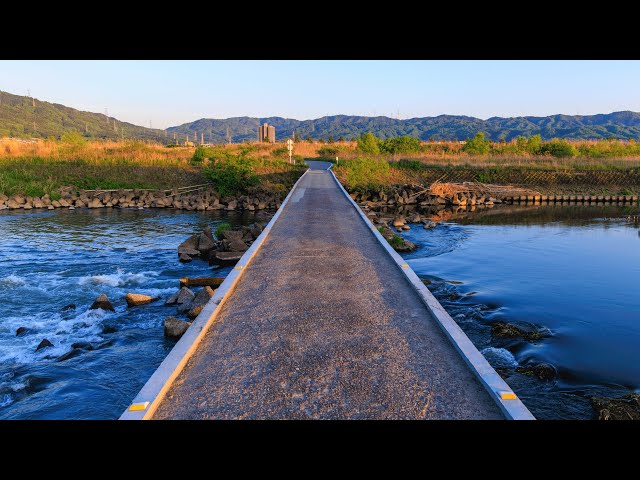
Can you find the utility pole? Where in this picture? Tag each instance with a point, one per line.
(201, 138)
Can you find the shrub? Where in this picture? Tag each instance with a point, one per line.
(534, 144)
(232, 175)
(223, 227)
(328, 152)
(558, 148)
(410, 164)
(363, 174)
(404, 144)
(73, 138)
(477, 145)
(369, 143)
(201, 154)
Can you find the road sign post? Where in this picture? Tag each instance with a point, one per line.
(290, 148)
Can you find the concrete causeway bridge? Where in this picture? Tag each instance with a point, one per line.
(322, 319)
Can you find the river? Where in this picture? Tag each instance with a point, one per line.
(570, 271)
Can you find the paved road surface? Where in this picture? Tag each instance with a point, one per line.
(324, 325)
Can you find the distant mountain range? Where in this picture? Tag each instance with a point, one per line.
(24, 116)
(448, 127)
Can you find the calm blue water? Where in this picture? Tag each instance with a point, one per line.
(572, 270)
(54, 258)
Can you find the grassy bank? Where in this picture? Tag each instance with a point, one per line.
(39, 168)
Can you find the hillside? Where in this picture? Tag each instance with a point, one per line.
(22, 116)
(623, 125)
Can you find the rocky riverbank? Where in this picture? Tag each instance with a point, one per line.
(229, 247)
(201, 200)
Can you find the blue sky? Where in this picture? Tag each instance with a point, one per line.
(173, 92)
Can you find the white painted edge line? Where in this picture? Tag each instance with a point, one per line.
(153, 392)
(494, 384)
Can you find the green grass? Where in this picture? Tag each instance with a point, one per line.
(223, 227)
(396, 241)
(37, 176)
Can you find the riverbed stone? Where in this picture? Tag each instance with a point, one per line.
(185, 295)
(21, 330)
(622, 408)
(184, 258)
(175, 328)
(543, 371)
(68, 308)
(102, 302)
(205, 244)
(135, 299)
(45, 343)
(503, 329)
(237, 246)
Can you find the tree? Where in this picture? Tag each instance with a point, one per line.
(353, 139)
(534, 144)
(341, 139)
(73, 138)
(369, 143)
(477, 145)
(321, 140)
(404, 144)
(296, 137)
(308, 139)
(330, 139)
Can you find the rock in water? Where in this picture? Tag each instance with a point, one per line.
(237, 246)
(207, 233)
(189, 246)
(135, 299)
(174, 328)
(173, 299)
(228, 256)
(102, 302)
(232, 235)
(82, 345)
(194, 312)
(67, 308)
(44, 344)
(543, 371)
(185, 295)
(184, 258)
(205, 245)
(199, 301)
(623, 408)
(502, 329)
(20, 331)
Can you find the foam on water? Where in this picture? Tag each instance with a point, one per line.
(12, 281)
(118, 279)
(499, 357)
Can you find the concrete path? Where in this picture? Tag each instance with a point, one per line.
(324, 325)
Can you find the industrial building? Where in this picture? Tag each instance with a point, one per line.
(267, 132)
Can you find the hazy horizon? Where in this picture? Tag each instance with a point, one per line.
(171, 93)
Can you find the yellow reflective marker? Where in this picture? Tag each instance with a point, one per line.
(405, 265)
(508, 396)
(137, 407)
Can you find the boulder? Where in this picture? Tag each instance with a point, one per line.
(68, 308)
(172, 299)
(430, 225)
(201, 298)
(503, 329)
(205, 243)
(237, 246)
(406, 227)
(44, 344)
(82, 345)
(185, 295)
(102, 302)
(543, 371)
(399, 221)
(194, 312)
(184, 258)
(109, 328)
(189, 246)
(208, 234)
(232, 235)
(228, 256)
(135, 299)
(21, 330)
(174, 328)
